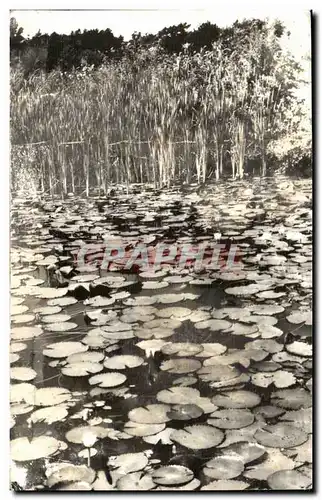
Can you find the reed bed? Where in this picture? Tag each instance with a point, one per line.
(152, 119)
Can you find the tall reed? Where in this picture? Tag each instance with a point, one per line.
(152, 119)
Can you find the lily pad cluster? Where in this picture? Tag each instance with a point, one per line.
(162, 378)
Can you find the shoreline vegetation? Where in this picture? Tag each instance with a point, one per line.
(152, 112)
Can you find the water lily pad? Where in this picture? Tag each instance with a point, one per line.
(181, 313)
(267, 345)
(111, 379)
(185, 412)
(236, 399)
(304, 452)
(284, 357)
(116, 326)
(225, 485)
(300, 418)
(55, 318)
(300, 317)
(20, 409)
(81, 369)
(163, 437)
(172, 474)
(181, 349)
(281, 436)
(154, 285)
(122, 362)
(23, 450)
(280, 378)
(164, 323)
(13, 357)
(269, 411)
(198, 316)
(84, 278)
(95, 341)
(49, 414)
(235, 313)
(22, 373)
(85, 357)
(198, 437)
(191, 486)
(140, 301)
(211, 349)
(219, 373)
(270, 294)
(128, 462)
(153, 333)
(181, 365)
(243, 291)
(229, 358)
(185, 395)
(87, 451)
(65, 473)
(261, 320)
(48, 310)
(150, 414)
(185, 381)
(215, 325)
(231, 419)
(99, 301)
(17, 347)
(299, 348)
(242, 329)
(170, 298)
(87, 435)
(288, 480)
(23, 318)
(269, 331)
(22, 393)
(266, 366)
(25, 332)
(292, 399)
(62, 302)
(309, 385)
(224, 467)
(117, 334)
(51, 293)
(16, 301)
(18, 309)
(266, 309)
(64, 349)
(136, 481)
(134, 317)
(51, 396)
(249, 452)
(137, 429)
(65, 326)
(274, 461)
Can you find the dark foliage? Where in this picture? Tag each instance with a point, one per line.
(94, 47)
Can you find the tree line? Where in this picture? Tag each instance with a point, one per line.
(95, 47)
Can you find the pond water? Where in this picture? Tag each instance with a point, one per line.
(169, 378)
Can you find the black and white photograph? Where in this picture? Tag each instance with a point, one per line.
(161, 207)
